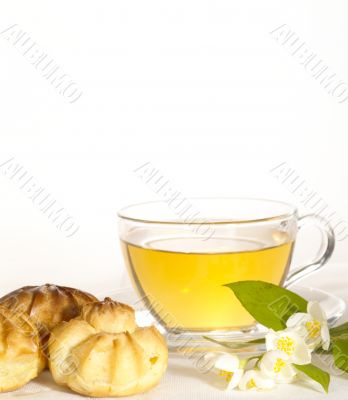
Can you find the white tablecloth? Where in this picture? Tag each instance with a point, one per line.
(184, 382)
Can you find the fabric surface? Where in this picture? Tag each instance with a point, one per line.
(183, 381)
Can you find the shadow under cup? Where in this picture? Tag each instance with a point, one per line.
(179, 265)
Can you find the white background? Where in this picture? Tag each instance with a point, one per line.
(198, 88)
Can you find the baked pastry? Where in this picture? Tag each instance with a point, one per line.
(21, 357)
(103, 353)
(47, 305)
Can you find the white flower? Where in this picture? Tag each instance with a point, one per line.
(313, 324)
(291, 343)
(254, 379)
(275, 364)
(229, 367)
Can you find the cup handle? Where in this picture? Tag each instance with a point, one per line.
(324, 253)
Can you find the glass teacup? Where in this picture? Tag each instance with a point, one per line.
(179, 266)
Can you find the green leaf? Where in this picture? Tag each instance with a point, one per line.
(340, 353)
(269, 304)
(342, 336)
(339, 331)
(315, 373)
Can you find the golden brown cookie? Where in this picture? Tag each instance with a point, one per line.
(47, 305)
(103, 353)
(21, 356)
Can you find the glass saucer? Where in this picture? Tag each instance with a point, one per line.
(333, 306)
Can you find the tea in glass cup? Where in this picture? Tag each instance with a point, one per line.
(181, 273)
